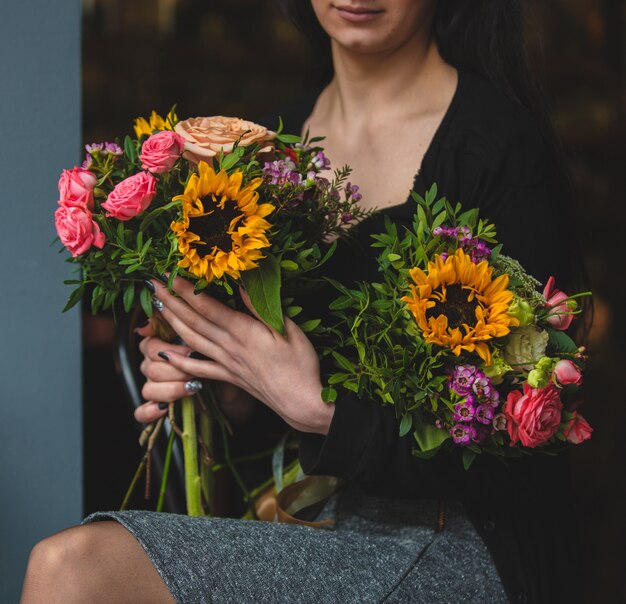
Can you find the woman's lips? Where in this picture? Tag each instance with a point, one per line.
(358, 14)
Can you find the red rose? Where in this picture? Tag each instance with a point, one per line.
(77, 230)
(160, 151)
(131, 197)
(534, 416)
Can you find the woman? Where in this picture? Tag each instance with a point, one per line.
(423, 91)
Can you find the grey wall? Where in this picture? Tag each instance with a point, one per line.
(40, 363)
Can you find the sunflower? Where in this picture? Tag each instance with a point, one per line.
(156, 122)
(457, 304)
(222, 229)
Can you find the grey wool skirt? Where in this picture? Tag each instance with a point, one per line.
(379, 550)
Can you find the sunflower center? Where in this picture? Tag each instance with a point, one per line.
(213, 228)
(456, 307)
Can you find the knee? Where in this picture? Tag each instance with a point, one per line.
(62, 555)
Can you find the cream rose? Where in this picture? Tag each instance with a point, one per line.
(205, 137)
(525, 347)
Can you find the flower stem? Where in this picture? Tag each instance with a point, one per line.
(206, 467)
(166, 470)
(190, 454)
(133, 483)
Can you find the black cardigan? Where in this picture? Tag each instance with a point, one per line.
(489, 152)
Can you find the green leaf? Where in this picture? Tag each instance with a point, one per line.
(310, 325)
(560, 341)
(129, 297)
(406, 424)
(468, 457)
(329, 395)
(393, 257)
(263, 287)
(343, 362)
(289, 265)
(428, 437)
(288, 138)
(340, 303)
(75, 297)
(145, 299)
(130, 149)
(293, 311)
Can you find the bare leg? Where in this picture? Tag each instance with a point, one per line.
(95, 563)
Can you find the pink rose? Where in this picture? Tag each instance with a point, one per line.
(77, 229)
(567, 372)
(561, 315)
(205, 137)
(578, 430)
(534, 416)
(76, 188)
(160, 151)
(131, 197)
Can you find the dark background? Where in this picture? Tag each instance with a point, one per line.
(242, 58)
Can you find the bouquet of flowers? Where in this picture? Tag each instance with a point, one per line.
(459, 339)
(216, 200)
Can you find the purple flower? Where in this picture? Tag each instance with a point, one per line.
(113, 149)
(462, 434)
(494, 398)
(465, 410)
(347, 217)
(482, 386)
(319, 161)
(94, 147)
(499, 422)
(88, 162)
(484, 414)
(463, 378)
(352, 191)
(281, 172)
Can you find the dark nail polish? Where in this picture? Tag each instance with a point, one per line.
(164, 356)
(163, 406)
(143, 324)
(179, 341)
(162, 278)
(198, 356)
(150, 285)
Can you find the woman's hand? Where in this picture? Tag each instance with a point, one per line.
(281, 371)
(165, 383)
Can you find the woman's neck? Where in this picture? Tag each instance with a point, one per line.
(372, 87)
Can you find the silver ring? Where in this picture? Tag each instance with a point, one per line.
(193, 386)
(157, 304)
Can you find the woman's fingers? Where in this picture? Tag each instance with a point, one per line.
(149, 412)
(206, 369)
(150, 347)
(162, 371)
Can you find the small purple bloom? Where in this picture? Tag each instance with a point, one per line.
(352, 191)
(94, 147)
(484, 414)
(464, 411)
(494, 398)
(438, 424)
(499, 422)
(347, 217)
(113, 149)
(463, 378)
(281, 172)
(463, 434)
(482, 387)
(88, 162)
(319, 161)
